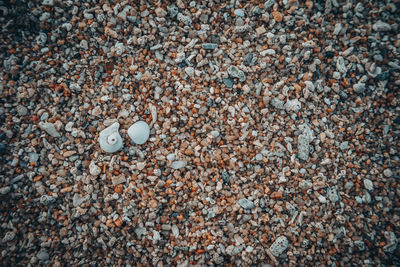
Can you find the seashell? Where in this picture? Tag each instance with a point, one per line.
(110, 140)
(139, 132)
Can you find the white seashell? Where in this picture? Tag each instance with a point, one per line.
(110, 140)
(139, 132)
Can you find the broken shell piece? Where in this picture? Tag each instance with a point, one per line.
(110, 140)
(139, 132)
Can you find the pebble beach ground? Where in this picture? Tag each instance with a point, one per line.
(274, 133)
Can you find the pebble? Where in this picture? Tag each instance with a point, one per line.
(333, 194)
(293, 105)
(178, 164)
(68, 126)
(388, 173)
(359, 88)
(43, 256)
(49, 129)
(189, 71)
(139, 132)
(303, 147)
(381, 26)
(3, 149)
(277, 16)
(228, 82)
(246, 204)
(239, 12)
(209, 46)
(279, 246)
(368, 185)
(94, 169)
(22, 111)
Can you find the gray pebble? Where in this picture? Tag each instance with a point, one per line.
(228, 82)
(49, 128)
(279, 246)
(246, 204)
(209, 46)
(43, 255)
(22, 111)
(239, 12)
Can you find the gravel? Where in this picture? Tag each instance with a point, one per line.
(268, 135)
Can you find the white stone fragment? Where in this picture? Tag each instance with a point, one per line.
(279, 246)
(368, 184)
(94, 169)
(49, 128)
(139, 132)
(178, 164)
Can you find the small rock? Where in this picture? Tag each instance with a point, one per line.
(276, 195)
(49, 129)
(172, 11)
(332, 194)
(359, 88)
(279, 104)
(178, 164)
(338, 28)
(248, 59)
(242, 29)
(68, 126)
(110, 32)
(239, 12)
(246, 204)
(43, 255)
(209, 46)
(140, 165)
(9, 237)
(160, 12)
(293, 105)
(3, 149)
(368, 184)
(22, 111)
(322, 199)
(340, 65)
(48, 2)
(279, 246)
(381, 26)
(388, 173)
(68, 154)
(228, 82)
(260, 30)
(189, 71)
(94, 169)
(5, 190)
(277, 16)
(303, 147)
(269, 52)
(184, 19)
(344, 145)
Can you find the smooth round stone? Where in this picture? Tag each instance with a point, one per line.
(139, 132)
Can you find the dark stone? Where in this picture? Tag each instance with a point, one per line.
(2, 149)
(225, 177)
(330, 54)
(248, 59)
(183, 64)
(384, 75)
(228, 82)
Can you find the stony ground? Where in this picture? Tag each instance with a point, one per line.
(274, 133)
